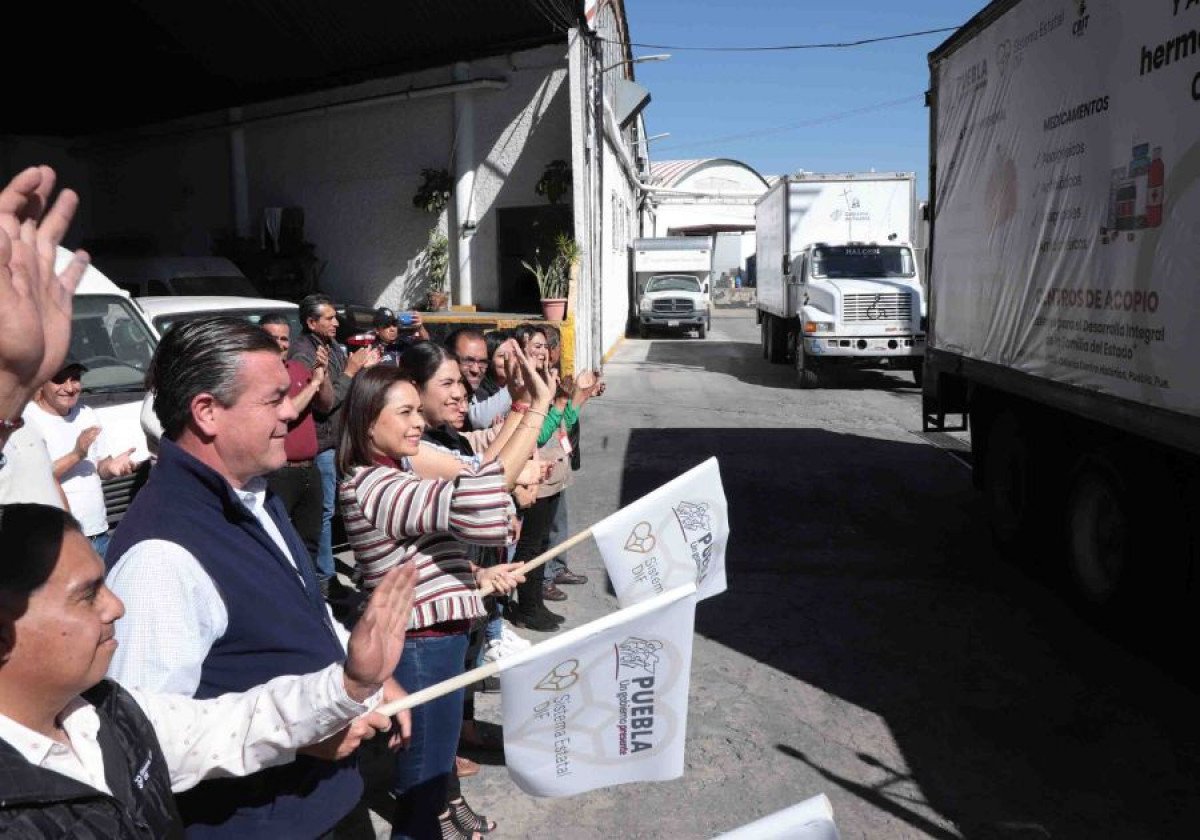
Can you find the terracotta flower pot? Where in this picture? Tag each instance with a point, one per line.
(554, 309)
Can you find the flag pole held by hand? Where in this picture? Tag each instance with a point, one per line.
(545, 557)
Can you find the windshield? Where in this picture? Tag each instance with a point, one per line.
(209, 285)
(112, 341)
(673, 283)
(847, 261)
(164, 322)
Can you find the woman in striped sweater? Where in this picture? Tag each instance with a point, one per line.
(393, 517)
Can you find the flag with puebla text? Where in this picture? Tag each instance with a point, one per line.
(603, 704)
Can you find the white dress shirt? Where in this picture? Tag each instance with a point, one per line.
(180, 613)
(231, 735)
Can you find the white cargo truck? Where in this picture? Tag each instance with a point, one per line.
(838, 284)
(1065, 205)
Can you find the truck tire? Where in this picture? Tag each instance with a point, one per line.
(807, 374)
(762, 332)
(776, 340)
(701, 332)
(643, 331)
(1008, 481)
(1100, 527)
(919, 374)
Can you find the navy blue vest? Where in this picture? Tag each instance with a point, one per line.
(278, 625)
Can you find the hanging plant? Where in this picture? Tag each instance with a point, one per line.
(434, 193)
(555, 181)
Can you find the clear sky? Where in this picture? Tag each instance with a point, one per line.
(704, 98)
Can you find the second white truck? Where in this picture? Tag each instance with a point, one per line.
(838, 284)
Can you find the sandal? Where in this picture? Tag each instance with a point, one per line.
(467, 820)
(451, 831)
(486, 736)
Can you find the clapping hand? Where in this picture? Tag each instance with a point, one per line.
(35, 300)
(118, 465)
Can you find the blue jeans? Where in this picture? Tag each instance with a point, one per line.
(423, 770)
(558, 533)
(325, 463)
(100, 542)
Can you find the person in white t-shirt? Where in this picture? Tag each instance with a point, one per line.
(78, 449)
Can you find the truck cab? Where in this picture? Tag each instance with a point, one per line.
(675, 301)
(858, 303)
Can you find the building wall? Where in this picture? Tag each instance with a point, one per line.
(353, 170)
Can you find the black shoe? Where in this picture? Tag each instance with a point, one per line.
(551, 615)
(552, 593)
(537, 621)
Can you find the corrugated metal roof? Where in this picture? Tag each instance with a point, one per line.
(131, 62)
(670, 173)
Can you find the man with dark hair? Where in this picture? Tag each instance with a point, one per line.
(298, 482)
(470, 347)
(219, 592)
(320, 325)
(81, 755)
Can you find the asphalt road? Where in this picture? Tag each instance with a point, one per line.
(871, 645)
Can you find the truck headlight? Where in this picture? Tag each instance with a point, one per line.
(817, 327)
(647, 304)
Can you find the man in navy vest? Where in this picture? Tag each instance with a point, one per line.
(217, 592)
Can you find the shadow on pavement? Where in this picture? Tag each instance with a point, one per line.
(861, 567)
(730, 357)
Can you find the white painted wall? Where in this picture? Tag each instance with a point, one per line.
(354, 170)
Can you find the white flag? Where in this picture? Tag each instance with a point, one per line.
(677, 534)
(603, 704)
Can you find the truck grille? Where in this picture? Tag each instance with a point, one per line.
(895, 306)
(672, 306)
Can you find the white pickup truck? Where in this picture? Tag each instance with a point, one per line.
(675, 301)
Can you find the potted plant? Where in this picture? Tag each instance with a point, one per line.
(438, 260)
(567, 251)
(552, 286)
(555, 181)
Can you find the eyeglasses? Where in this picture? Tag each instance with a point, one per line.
(468, 360)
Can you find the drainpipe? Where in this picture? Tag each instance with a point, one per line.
(464, 220)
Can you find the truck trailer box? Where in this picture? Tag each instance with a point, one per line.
(1064, 258)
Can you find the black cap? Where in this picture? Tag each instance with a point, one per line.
(72, 361)
(385, 317)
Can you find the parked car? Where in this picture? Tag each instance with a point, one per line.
(166, 312)
(144, 276)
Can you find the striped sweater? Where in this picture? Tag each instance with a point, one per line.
(394, 517)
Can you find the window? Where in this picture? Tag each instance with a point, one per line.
(110, 339)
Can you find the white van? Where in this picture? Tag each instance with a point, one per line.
(111, 336)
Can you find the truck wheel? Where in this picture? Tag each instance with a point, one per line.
(1008, 481)
(776, 340)
(700, 331)
(762, 333)
(807, 373)
(643, 331)
(1099, 535)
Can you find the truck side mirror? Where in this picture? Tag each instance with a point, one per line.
(704, 288)
(787, 264)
